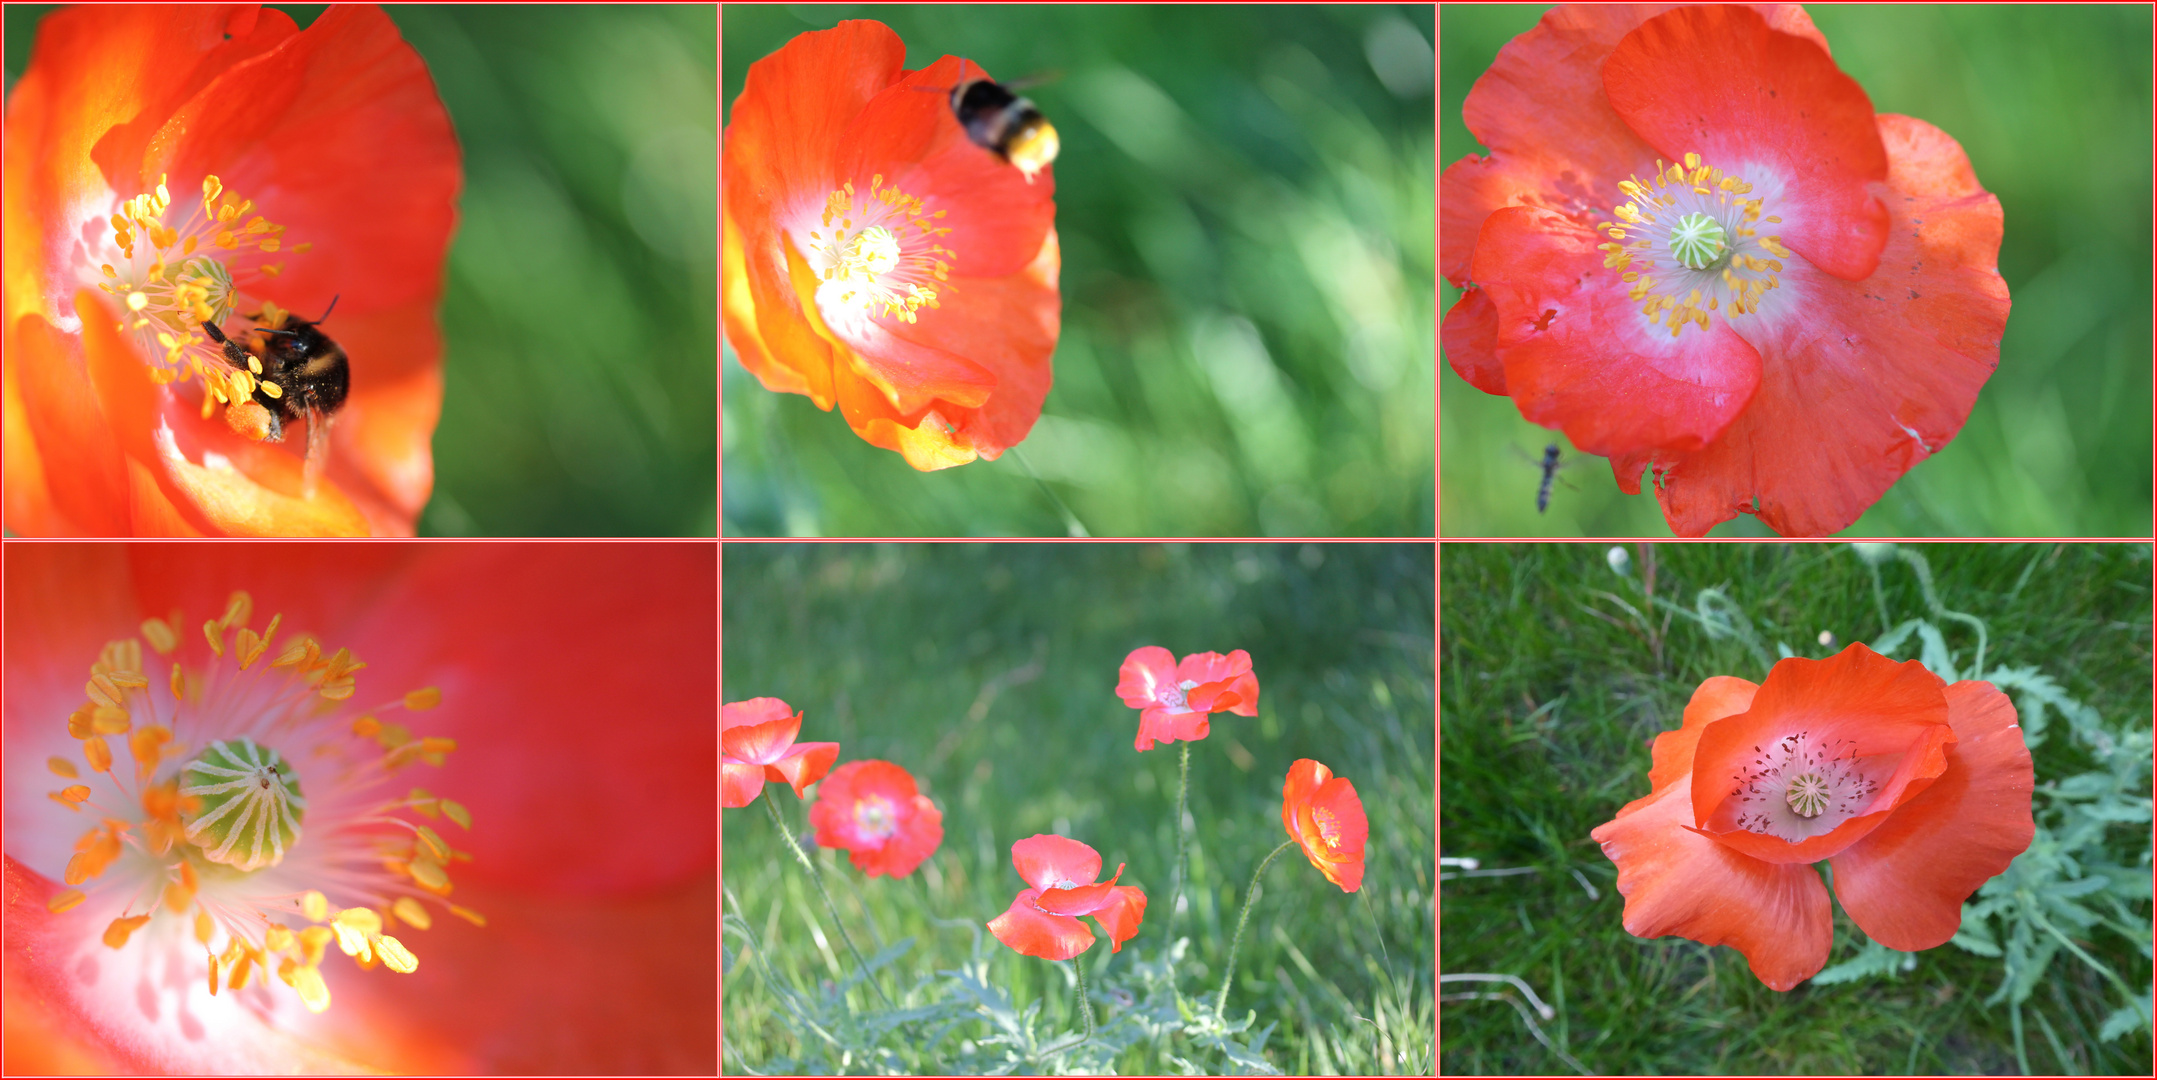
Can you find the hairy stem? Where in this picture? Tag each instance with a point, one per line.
(1183, 786)
(1250, 896)
(816, 877)
(1078, 964)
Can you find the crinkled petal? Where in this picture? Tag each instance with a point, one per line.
(1047, 860)
(1905, 882)
(761, 710)
(1304, 778)
(1469, 337)
(739, 783)
(758, 743)
(1159, 724)
(1037, 933)
(1676, 881)
(1144, 672)
(1864, 379)
(1333, 830)
(1720, 82)
(1579, 355)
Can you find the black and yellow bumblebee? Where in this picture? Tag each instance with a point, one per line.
(1004, 123)
(299, 372)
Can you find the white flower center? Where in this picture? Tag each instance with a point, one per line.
(1799, 788)
(1692, 216)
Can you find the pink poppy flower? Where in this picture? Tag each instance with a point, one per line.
(1043, 920)
(1175, 700)
(758, 745)
(874, 811)
(1696, 250)
(590, 858)
(1915, 791)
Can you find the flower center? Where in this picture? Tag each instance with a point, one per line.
(879, 255)
(169, 291)
(217, 831)
(1693, 215)
(1173, 696)
(250, 804)
(874, 817)
(1798, 788)
(1329, 827)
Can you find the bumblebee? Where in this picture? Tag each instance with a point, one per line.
(299, 373)
(1004, 124)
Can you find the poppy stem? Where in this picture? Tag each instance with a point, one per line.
(1250, 896)
(1078, 964)
(1183, 786)
(817, 878)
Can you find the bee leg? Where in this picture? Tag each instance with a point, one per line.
(318, 452)
(236, 356)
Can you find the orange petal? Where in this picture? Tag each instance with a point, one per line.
(1078, 899)
(1870, 705)
(739, 783)
(1047, 860)
(59, 442)
(1906, 881)
(803, 764)
(1716, 698)
(1676, 881)
(1120, 916)
(758, 743)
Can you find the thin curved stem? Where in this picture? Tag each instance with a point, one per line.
(816, 877)
(1183, 786)
(1250, 896)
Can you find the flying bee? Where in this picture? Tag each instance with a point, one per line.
(1004, 123)
(299, 372)
(1550, 464)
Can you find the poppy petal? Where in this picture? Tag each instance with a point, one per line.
(759, 743)
(739, 783)
(1048, 861)
(1770, 107)
(1037, 933)
(803, 764)
(736, 714)
(1160, 724)
(874, 810)
(1304, 778)
(1905, 882)
(1212, 667)
(1676, 881)
(1579, 355)
(1470, 339)
(1718, 697)
(1078, 899)
(1120, 915)
(1147, 669)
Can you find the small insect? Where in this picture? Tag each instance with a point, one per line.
(1550, 475)
(1004, 123)
(299, 373)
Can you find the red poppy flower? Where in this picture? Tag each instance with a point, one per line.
(1694, 248)
(1915, 791)
(757, 744)
(875, 258)
(1043, 920)
(1323, 813)
(873, 810)
(171, 165)
(590, 860)
(1175, 700)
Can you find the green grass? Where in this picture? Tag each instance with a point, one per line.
(2052, 104)
(1551, 694)
(1244, 201)
(988, 671)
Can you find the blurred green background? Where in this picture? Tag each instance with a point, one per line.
(580, 307)
(1559, 672)
(989, 672)
(1244, 200)
(2052, 103)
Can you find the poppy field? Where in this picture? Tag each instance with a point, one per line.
(1564, 662)
(1238, 225)
(2054, 441)
(989, 835)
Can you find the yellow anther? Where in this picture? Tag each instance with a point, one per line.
(204, 927)
(313, 992)
(116, 935)
(64, 899)
(242, 967)
(213, 976)
(314, 941)
(351, 941)
(426, 835)
(426, 698)
(315, 906)
(364, 920)
(62, 767)
(74, 793)
(277, 938)
(1692, 160)
(366, 727)
(410, 911)
(457, 813)
(395, 956)
(99, 754)
(473, 917)
(429, 875)
(214, 632)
